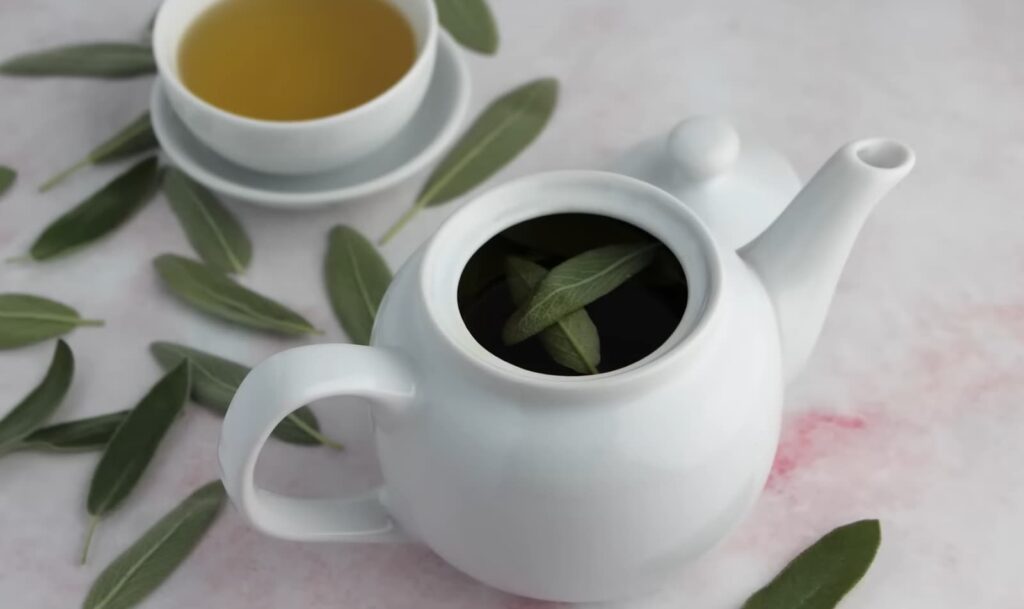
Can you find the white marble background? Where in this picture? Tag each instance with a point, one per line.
(911, 411)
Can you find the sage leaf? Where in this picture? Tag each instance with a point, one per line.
(822, 574)
(214, 233)
(100, 214)
(356, 277)
(97, 59)
(213, 292)
(135, 137)
(214, 382)
(27, 319)
(470, 22)
(214, 379)
(7, 177)
(133, 445)
(73, 436)
(140, 569)
(503, 130)
(575, 283)
(35, 408)
(573, 340)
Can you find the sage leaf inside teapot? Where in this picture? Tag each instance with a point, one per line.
(140, 569)
(137, 136)
(133, 445)
(356, 277)
(100, 214)
(470, 22)
(213, 292)
(212, 230)
(214, 382)
(27, 319)
(97, 59)
(573, 340)
(91, 433)
(822, 574)
(575, 283)
(7, 177)
(503, 130)
(35, 408)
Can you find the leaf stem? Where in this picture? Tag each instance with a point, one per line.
(400, 224)
(60, 177)
(315, 434)
(95, 520)
(18, 259)
(90, 322)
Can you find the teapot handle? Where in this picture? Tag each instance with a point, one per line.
(279, 386)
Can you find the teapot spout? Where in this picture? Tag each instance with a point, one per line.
(800, 256)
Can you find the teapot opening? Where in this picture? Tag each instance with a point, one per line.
(634, 287)
(884, 154)
(606, 196)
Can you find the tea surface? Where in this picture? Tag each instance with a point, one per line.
(289, 60)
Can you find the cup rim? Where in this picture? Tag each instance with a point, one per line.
(703, 267)
(171, 79)
(291, 201)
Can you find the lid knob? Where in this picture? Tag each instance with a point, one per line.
(704, 146)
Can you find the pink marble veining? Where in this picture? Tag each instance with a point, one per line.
(806, 438)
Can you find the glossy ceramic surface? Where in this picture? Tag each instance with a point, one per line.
(423, 139)
(528, 481)
(580, 488)
(296, 147)
(737, 184)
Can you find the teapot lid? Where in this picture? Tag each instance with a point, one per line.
(737, 186)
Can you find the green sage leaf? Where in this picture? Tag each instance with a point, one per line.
(7, 177)
(822, 574)
(73, 436)
(137, 136)
(470, 22)
(214, 233)
(573, 340)
(356, 277)
(100, 214)
(213, 292)
(215, 380)
(27, 319)
(575, 283)
(133, 445)
(503, 130)
(40, 404)
(140, 569)
(98, 59)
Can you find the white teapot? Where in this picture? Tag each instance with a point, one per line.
(571, 488)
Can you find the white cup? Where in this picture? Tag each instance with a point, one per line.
(296, 147)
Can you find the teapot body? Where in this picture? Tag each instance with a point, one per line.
(578, 488)
(571, 488)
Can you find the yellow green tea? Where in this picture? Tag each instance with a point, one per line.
(288, 60)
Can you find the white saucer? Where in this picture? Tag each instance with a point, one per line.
(432, 129)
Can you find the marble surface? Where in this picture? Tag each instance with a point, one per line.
(911, 411)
